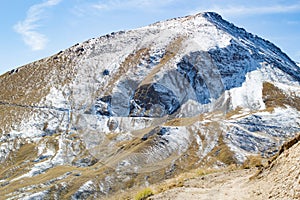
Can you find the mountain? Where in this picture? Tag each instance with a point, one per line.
(136, 107)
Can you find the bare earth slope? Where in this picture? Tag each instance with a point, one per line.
(279, 181)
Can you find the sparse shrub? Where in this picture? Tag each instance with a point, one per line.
(144, 194)
(253, 161)
(203, 172)
(169, 184)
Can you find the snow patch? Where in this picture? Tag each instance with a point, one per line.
(56, 99)
(249, 95)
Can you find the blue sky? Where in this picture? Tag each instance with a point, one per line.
(34, 29)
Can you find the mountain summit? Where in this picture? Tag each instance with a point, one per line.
(136, 107)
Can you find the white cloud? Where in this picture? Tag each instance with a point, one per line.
(100, 6)
(239, 10)
(28, 27)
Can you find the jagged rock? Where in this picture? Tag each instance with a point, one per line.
(153, 100)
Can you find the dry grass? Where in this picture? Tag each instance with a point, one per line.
(285, 147)
(18, 162)
(179, 180)
(221, 153)
(175, 182)
(224, 154)
(171, 183)
(236, 111)
(97, 172)
(144, 194)
(9, 115)
(253, 161)
(132, 60)
(171, 50)
(184, 121)
(205, 171)
(274, 97)
(30, 83)
(22, 162)
(36, 180)
(271, 162)
(73, 182)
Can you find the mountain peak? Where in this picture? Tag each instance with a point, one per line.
(144, 105)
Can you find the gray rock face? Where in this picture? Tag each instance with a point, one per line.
(233, 63)
(189, 67)
(103, 106)
(153, 100)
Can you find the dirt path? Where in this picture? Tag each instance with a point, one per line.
(279, 181)
(224, 185)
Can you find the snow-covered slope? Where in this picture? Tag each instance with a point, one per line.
(135, 107)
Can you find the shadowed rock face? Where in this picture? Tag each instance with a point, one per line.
(153, 100)
(233, 63)
(103, 106)
(189, 67)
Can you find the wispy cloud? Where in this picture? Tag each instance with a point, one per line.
(239, 10)
(28, 27)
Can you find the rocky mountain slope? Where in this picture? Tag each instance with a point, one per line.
(278, 180)
(136, 107)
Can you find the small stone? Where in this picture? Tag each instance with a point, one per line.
(106, 72)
